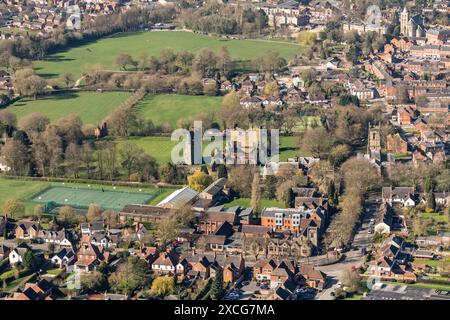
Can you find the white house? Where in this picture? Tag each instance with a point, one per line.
(63, 257)
(383, 221)
(92, 228)
(403, 195)
(16, 255)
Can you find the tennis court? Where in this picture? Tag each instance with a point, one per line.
(83, 197)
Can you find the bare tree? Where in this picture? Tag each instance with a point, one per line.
(16, 156)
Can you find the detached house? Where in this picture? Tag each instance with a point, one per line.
(91, 228)
(89, 256)
(251, 102)
(64, 257)
(311, 277)
(272, 102)
(167, 263)
(199, 266)
(233, 267)
(262, 269)
(16, 255)
(403, 195)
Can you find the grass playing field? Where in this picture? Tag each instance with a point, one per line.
(105, 51)
(91, 107)
(106, 197)
(167, 108)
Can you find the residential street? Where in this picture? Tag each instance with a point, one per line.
(361, 241)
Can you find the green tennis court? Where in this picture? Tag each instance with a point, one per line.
(83, 197)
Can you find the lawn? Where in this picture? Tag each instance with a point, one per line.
(167, 108)
(12, 188)
(245, 202)
(105, 51)
(158, 147)
(433, 263)
(289, 147)
(436, 216)
(91, 107)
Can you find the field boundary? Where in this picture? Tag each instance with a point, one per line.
(94, 181)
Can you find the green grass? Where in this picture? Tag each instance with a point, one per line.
(436, 216)
(106, 50)
(245, 202)
(158, 147)
(161, 196)
(91, 107)
(7, 274)
(169, 108)
(19, 282)
(19, 189)
(289, 147)
(54, 272)
(433, 263)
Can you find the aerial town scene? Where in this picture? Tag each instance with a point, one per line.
(253, 150)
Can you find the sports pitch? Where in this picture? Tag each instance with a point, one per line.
(83, 197)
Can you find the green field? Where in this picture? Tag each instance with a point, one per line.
(91, 107)
(161, 147)
(105, 51)
(158, 147)
(106, 198)
(289, 147)
(167, 108)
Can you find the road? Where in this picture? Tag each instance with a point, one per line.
(361, 241)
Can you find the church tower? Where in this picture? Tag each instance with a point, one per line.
(374, 139)
(404, 22)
